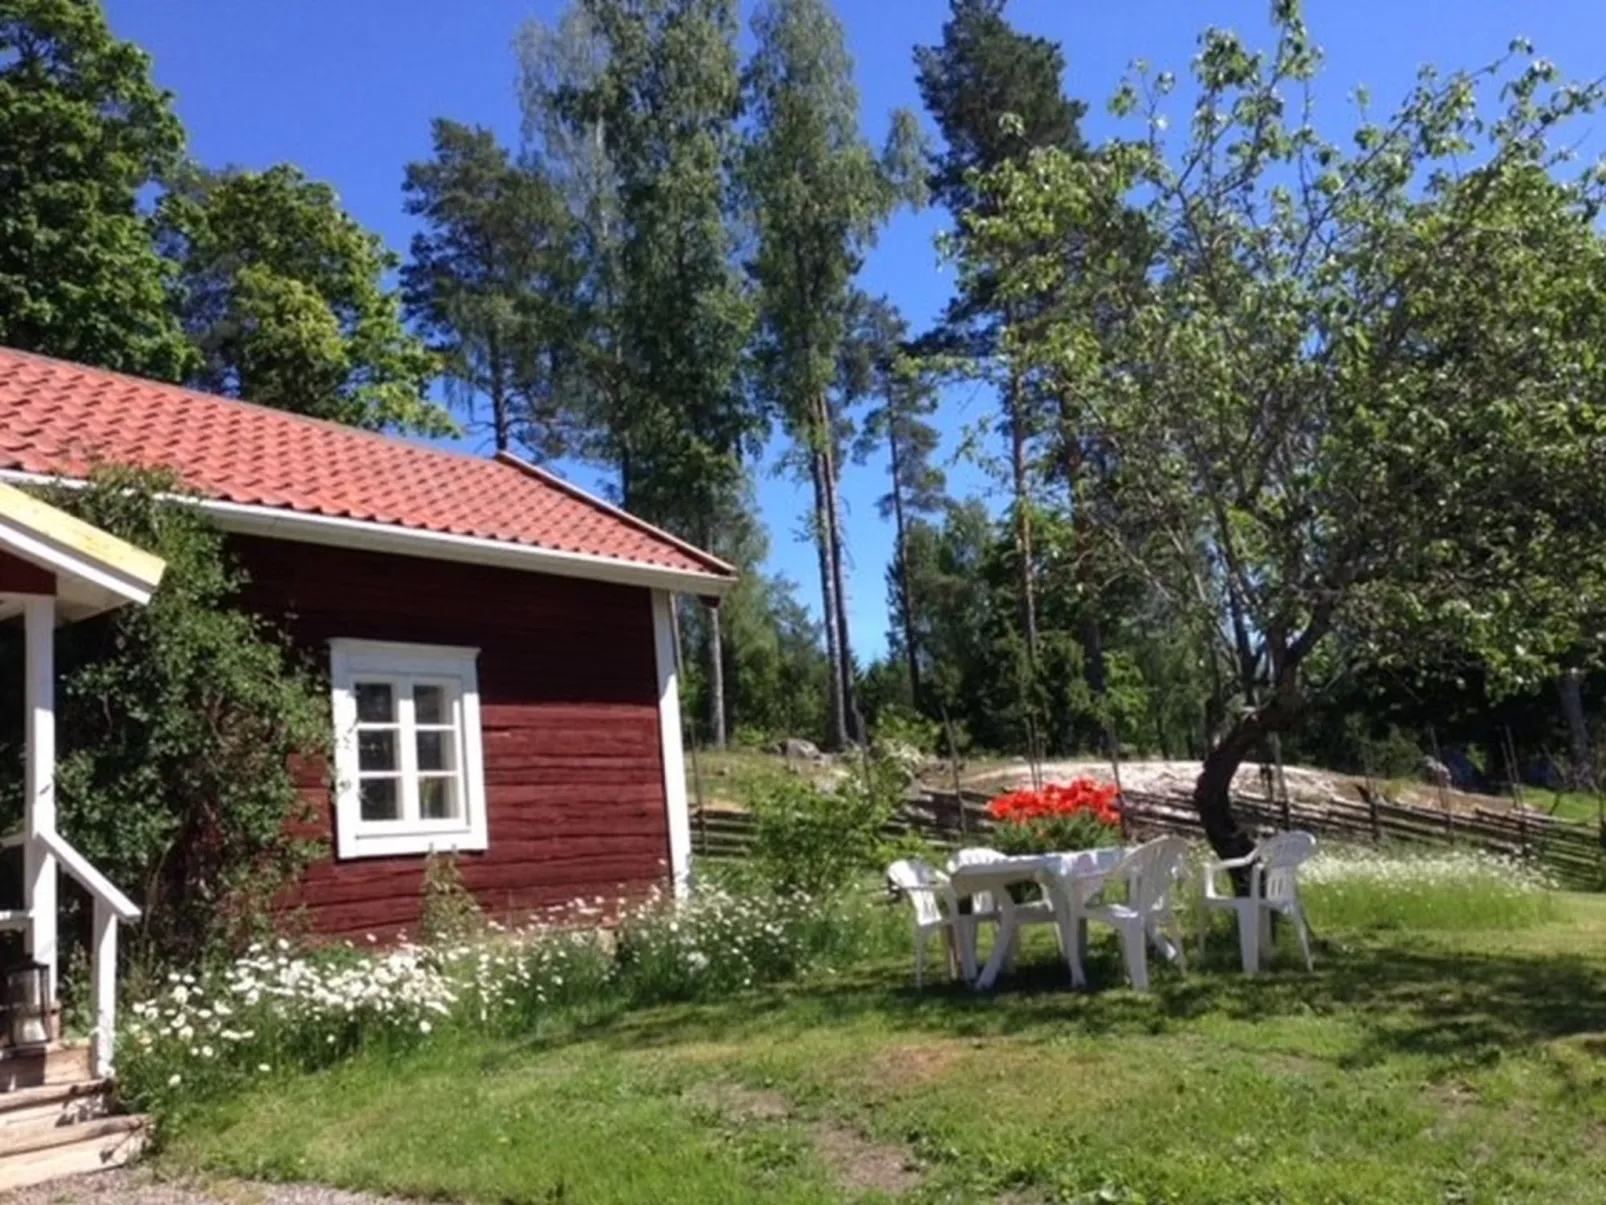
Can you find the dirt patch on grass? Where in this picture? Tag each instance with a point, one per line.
(737, 1102)
(859, 1165)
(915, 1062)
(855, 1163)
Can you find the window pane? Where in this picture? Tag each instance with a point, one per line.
(376, 703)
(437, 798)
(429, 705)
(435, 750)
(380, 800)
(376, 750)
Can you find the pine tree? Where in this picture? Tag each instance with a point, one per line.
(493, 282)
(995, 94)
(915, 487)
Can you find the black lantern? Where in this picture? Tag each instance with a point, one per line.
(28, 1007)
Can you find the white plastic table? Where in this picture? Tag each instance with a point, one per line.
(1067, 879)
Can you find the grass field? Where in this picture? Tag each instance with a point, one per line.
(1445, 1064)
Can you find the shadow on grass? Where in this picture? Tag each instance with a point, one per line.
(1447, 1004)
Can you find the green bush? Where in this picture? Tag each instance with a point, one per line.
(179, 724)
(814, 841)
(449, 912)
(902, 726)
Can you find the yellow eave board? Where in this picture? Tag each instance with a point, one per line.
(78, 553)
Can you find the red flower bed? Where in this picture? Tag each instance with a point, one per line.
(1084, 797)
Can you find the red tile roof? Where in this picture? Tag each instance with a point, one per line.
(60, 419)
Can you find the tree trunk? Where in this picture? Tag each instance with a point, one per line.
(902, 552)
(1023, 518)
(499, 414)
(716, 676)
(837, 720)
(1572, 706)
(853, 722)
(1212, 793)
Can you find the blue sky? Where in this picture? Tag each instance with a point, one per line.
(346, 89)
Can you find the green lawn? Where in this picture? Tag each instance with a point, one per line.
(1445, 1067)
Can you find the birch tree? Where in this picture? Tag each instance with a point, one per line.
(816, 195)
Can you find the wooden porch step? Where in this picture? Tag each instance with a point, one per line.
(35, 1154)
(33, 1066)
(55, 1104)
(13, 918)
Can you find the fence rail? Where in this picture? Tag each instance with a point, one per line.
(1574, 852)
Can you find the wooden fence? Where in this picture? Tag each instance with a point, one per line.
(1575, 853)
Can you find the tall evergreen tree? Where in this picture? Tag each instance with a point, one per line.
(83, 130)
(283, 295)
(995, 93)
(493, 281)
(900, 423)
(817, 195)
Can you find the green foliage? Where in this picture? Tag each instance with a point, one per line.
(284, 297)
(493, 280)
(181, 727)
(450, 913)
(815, 196)
(84, 130)
(901, 726)
(1053, 834)
(995, 94)
(1299, 381)
(635, 105)
(775, 670)
(814, 841)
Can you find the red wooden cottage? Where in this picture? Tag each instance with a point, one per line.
(499, 643)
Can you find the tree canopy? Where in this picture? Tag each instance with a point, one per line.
(493, 281)
(83, 130)
(284, 297)
(1323, 396)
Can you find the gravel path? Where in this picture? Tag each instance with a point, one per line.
(139, 1187)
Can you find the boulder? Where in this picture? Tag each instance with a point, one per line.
(1434, 772)
(797, 749)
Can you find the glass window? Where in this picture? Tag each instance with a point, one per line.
(409, 749)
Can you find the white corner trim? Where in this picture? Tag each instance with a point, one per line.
(669, 740)
(350, 659)
(280, 523)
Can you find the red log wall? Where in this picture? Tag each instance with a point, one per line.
(569, 710)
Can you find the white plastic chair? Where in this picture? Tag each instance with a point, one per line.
(1273, 867)
(1152, 872)
(982, 905)
(936, 911)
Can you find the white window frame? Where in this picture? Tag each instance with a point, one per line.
(351, 661)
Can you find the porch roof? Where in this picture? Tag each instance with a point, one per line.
(45, 550)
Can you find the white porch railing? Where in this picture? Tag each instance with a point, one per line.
(111, 906)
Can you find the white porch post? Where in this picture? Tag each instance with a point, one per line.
(39, 783)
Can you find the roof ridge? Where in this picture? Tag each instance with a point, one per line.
(547, 477)
(202, 395)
